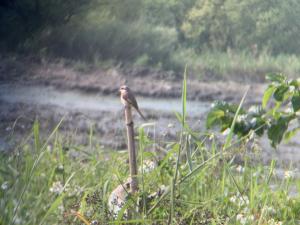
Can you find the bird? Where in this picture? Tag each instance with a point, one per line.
(127, 97)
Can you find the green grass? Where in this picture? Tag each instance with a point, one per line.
(215, 65)
(47, 185)
(52, 182)
(240, 65)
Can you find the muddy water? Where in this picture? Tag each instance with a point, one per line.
(75, 100)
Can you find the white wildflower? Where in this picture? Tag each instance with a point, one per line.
(291, 88)
(289, 174)
(57, 187)
(250, 218)
(246, 210)
(233, 199)
(74, 191)
(274, 222)
(89, 213)
(49, 148)
(240, 118)
(244, 219)
(270, 210)
(4, 185)
(288, 110)
(241, 218)
(245, 200)
(226, 132)
(240, 169)
(253, 121)
(170, 125)
(148, 166)
(61, 208)
(256, 174)
(239, 200)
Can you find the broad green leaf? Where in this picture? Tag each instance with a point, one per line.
(280, 91)
(274, 77)
(294, 83)
(267, 95)
(278, 129)
(259, 126)
(296, 101)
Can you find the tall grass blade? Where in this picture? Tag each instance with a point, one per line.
(183, 99)
(36, 135)
(37, 160)
(172, 200)
(189, 152)
(230, 135)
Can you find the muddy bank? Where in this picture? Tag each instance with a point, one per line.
(107, 127)
(144, 81)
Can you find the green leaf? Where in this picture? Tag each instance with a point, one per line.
(267, 95)
(274, 77)
(280, 91)
(294, 83)
(278, 129)
(296, 101)
(214, 117)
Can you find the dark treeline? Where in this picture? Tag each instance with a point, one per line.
(148, 31)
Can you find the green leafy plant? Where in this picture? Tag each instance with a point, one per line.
(280, 106)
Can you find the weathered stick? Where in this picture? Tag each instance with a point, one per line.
(131, 149)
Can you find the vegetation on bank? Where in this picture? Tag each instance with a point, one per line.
(52, 182)
(214, 37)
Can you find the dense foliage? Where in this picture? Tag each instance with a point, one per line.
(275, 119)
(149, 32)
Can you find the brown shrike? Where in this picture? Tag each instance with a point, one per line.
(127, 97)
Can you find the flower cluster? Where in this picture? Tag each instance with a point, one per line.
(239, 200)
(57, 187)
(241, 218)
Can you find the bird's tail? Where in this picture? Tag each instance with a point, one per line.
(141, 114)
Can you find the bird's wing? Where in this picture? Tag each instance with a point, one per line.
(129, 97)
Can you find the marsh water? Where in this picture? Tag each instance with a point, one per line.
(74, 100)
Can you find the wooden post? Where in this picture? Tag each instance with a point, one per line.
(131, 149)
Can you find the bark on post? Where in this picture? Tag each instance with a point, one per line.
(131, 149)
